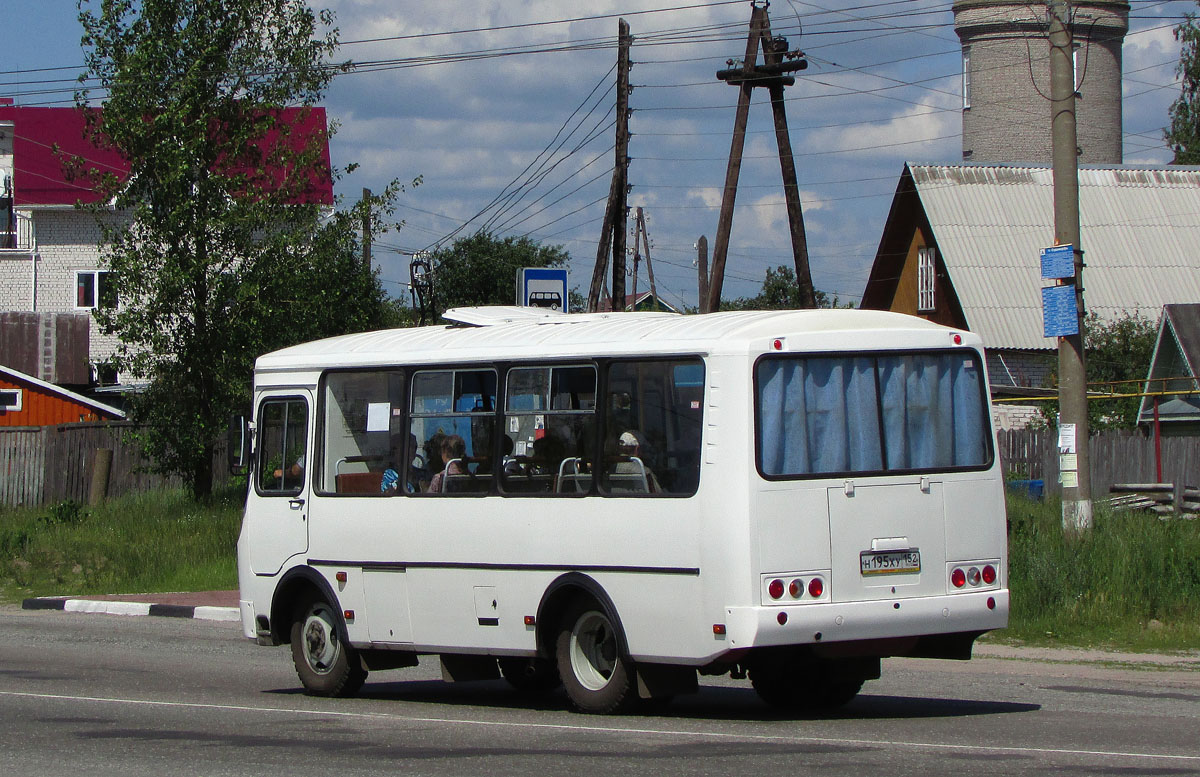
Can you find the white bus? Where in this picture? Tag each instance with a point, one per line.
(621, 502)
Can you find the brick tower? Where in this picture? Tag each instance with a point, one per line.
(1006, 63)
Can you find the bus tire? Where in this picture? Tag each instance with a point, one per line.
(595, 671)
(530, 676)
(326, 666)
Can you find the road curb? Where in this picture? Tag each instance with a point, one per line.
(101, 607)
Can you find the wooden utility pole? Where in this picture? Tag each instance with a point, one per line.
(702, 269)
(366, 231)
(772, 75)
(641, 239)
(1072, 368)
(616, 211)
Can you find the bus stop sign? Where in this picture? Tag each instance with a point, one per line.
(542, 287)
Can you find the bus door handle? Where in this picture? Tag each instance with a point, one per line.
(296, 503)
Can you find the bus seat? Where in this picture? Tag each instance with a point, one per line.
(359, 483)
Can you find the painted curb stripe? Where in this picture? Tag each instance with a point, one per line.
(96, 607)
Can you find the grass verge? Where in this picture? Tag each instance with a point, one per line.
(1132, 582)
(150, 542)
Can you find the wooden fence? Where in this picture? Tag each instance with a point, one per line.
(44, 465)
(1116, 457)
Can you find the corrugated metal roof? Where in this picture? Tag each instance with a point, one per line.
(1139, 230)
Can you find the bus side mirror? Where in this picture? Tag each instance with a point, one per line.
(239, 445)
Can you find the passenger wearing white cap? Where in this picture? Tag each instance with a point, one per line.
(629, 446)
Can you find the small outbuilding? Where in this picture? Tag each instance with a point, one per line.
(1174, 373)
(28, 401)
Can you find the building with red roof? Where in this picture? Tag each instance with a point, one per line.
(49, 255)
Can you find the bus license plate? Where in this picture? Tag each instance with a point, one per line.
(890, 562)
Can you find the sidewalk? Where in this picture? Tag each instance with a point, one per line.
(204, 605)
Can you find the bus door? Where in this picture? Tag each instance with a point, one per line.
(277, 528)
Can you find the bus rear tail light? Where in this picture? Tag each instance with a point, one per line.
(816, 587)
(796, 588)
(775, 589)
(989, 574)
(973, 576)
(958, 578)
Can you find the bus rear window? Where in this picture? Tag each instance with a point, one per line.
(871, 413)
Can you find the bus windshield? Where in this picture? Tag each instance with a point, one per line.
(870, 413)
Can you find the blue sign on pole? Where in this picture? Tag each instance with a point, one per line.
(1060, 316)
(1058, 262)
(542, 287)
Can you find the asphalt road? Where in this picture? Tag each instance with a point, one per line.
(100, 695)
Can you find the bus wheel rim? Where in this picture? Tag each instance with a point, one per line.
(320, 641)
(593, 650)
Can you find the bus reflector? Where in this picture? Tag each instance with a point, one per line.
(957, 339)
(341, 577)
(348, 614)
(782, 618)
(991, 602)
(816, 588)
(989, 574)
(775, 589)
(958, 578)
(719, 629)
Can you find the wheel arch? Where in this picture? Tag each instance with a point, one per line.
(558, 597)
(301, 583)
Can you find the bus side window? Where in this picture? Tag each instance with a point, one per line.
(459, 405)
(550, 424)
(652, 434)
(283, 434)
(363, 435)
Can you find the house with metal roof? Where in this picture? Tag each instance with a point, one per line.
(961, 247)
(1174, 375)
(49, 248)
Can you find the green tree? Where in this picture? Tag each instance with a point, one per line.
(482, 269)
(1117, 350)
(779, 292)
(219, 252)
(1183, 136)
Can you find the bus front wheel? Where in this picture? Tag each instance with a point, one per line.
(595, 672)
(326, 666)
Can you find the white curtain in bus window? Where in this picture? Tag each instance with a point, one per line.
(870, 414)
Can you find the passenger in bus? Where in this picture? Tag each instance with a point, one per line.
(631, 460)
(293, 472)
(454, 448)
(431, 460)
(390, 484)
(548, 453)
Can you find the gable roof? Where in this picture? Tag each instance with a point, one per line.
(1140, 233)
(59, 391)
(1176, 355)
(42, 136)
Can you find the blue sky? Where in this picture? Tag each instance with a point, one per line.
(471, 111)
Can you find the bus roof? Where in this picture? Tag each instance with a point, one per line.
(521, 333)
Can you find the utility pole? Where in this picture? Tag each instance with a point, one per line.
(1072, 369)
(772, 75)
(702, 268)
(616, 211)
(641, 239)
(366, 231)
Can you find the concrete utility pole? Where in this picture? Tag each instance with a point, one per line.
(772, 75)
(616, 212)
(1072, 370)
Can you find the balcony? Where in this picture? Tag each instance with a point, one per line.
(17, 237)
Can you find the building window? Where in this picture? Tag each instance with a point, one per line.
(94, 289)
(10, 400)
(1076, 71)
(926, 277)
(966, 77)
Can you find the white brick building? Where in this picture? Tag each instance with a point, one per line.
(49, 248)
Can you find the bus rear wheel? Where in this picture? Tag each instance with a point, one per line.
(326, 666)
(595, 672)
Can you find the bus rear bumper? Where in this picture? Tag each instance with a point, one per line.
(752, 627)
